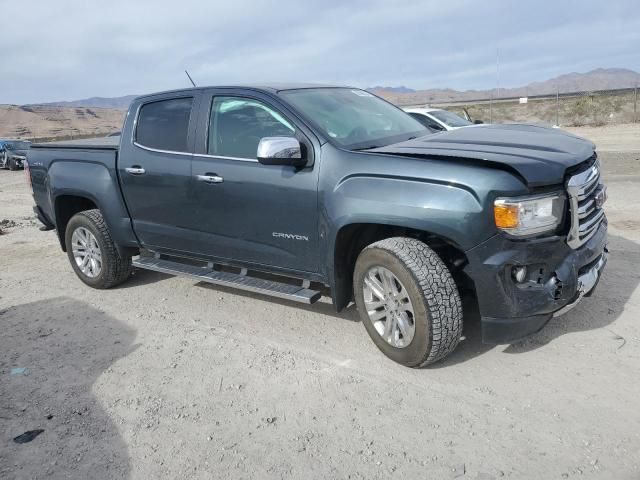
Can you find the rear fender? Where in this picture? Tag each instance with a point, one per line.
(100, 186)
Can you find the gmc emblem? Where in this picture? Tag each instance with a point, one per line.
(601, 197)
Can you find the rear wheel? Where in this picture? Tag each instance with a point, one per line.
(408, 301)
(13, 165)
(92, 253)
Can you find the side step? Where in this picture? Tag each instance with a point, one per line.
(296, 293)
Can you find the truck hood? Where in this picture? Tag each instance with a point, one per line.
(540, 155)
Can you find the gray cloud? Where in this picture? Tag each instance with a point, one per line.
(72, 49)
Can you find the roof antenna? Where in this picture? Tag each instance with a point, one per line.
(190, 79)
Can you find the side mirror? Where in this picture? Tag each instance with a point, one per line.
(280, 151)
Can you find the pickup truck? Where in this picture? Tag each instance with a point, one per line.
(285, 190)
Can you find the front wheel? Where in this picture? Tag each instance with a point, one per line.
(92, 253)
(408, 301)
(13, 165)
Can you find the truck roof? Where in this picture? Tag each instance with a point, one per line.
(113, 143)
(267, 87)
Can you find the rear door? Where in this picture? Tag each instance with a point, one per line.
(253, 213)
(155, 169)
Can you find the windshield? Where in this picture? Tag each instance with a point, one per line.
(16, 145)
(450, 118)
(354, 118)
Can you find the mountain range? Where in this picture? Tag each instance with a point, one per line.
(598, 79)
(118, 103)
(400, 89)
(100, 115)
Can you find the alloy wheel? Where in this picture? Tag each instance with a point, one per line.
(86, 252)
(389, 307)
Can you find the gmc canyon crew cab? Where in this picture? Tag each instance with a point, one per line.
(282, 189)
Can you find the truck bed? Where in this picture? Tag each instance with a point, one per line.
(102, 143)
(87, 166)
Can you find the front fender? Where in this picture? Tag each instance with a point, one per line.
(451, 211)
(447, 209)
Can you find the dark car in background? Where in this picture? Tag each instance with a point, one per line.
(13, 153)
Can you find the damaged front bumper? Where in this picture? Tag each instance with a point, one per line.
(557, 278)
(587, 283)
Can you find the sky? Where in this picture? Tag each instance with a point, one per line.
(68, 50)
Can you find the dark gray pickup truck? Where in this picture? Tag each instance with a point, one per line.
(283, 189)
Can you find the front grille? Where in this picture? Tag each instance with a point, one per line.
(586, 212)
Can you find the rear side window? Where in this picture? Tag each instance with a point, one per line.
(164, 125)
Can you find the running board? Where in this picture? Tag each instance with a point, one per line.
(240, 281)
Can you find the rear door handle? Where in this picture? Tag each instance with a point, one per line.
(210, 178)
(135, 170)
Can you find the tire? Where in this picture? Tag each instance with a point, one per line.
(13, 166)
(113, 268)
(432, 294)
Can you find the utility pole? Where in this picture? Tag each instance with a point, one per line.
(497, 86)
(558, 106)
(497, 73)
(635, 104)
(491, 108)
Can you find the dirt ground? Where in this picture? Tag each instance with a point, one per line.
(168, 378)
(612, 138)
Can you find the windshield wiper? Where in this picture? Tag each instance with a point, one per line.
(368, 147)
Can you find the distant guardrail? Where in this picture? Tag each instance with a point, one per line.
(593, 107)
(496, 99)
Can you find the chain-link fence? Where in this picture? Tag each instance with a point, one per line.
(594, 108)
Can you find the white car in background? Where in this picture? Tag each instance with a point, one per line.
(437, 119)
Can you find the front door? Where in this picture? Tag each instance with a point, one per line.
(246, 211)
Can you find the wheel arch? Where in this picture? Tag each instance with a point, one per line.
(351, 239)
(68, 204)
(65, 207)
(78, 184)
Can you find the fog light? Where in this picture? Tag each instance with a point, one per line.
(519, 273)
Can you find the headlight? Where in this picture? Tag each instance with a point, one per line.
(528, 215)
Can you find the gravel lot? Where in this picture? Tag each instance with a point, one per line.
(167, 378)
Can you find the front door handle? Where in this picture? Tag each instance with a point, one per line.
(210, 178)
(135, 170)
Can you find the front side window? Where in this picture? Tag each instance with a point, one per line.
(354, 118)
(164, 125)
(236, 126)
